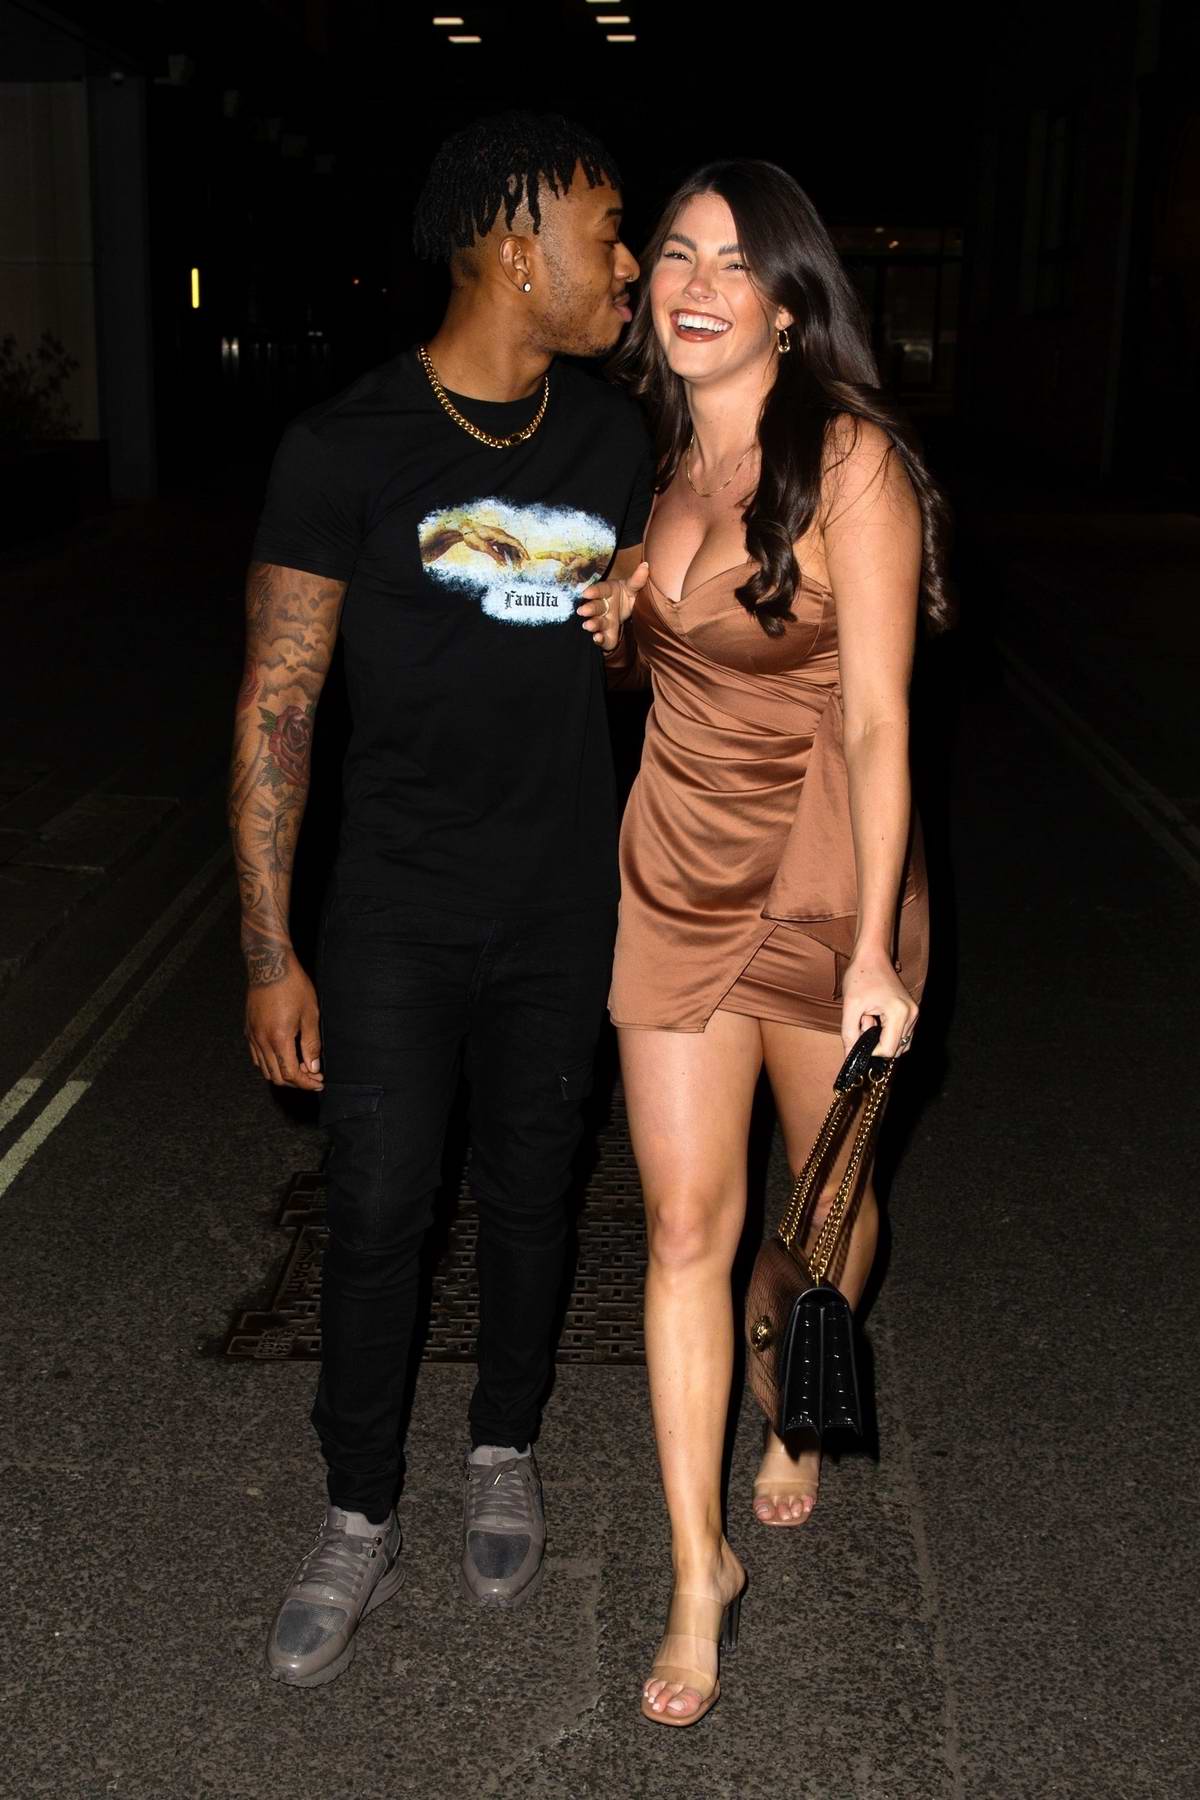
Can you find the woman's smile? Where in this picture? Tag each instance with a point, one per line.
(699, 327)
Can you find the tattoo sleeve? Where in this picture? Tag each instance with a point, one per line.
(291, 626)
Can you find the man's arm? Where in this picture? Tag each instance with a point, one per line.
(291, 626)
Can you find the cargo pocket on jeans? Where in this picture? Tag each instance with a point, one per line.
(575, 1083)
(352, 1113)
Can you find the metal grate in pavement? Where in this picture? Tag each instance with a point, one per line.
(604, 1317)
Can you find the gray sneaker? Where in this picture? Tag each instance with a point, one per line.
(504, 1532)
(352, 1568)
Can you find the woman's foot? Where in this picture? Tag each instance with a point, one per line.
(683, 1684)
(785, 1488)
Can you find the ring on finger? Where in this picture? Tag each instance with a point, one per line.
(607, 605)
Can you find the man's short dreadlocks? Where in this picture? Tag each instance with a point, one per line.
(501, 161)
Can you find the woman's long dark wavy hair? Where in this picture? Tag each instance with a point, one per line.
(829, 373)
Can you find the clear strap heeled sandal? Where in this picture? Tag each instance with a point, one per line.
(692, 1618)
(783, 1484)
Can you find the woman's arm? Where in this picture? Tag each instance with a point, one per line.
(872, 542)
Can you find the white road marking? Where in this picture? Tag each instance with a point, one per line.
(35, 1135)
(39, 1072)
(17, 1095)
(151, 988)
(1154, 811)
(90, 1065)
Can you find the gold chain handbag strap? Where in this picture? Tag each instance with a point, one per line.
(825, 1248)
(811, 1173)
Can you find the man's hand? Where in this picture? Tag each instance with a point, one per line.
(283, 1030)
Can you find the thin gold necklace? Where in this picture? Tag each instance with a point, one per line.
(483, 437)
(707, 493)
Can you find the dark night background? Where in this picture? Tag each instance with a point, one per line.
(1016, 191)
(998, 1605)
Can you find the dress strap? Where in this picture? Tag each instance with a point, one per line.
(654, 499)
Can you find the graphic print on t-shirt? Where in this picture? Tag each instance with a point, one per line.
(527, 565)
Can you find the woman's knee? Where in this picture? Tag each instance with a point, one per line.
(687, 1228)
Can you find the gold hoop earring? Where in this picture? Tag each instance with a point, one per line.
(785, 342)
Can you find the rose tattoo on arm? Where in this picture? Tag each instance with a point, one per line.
(289, 745)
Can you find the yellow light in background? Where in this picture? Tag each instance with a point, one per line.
(612, 19)
(622, 37)
(443, 20)
(195, 290)
(465, 40)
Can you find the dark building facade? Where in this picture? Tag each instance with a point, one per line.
(1081, 314)
(207, 204)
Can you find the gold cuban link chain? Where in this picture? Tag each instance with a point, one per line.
(483, 437)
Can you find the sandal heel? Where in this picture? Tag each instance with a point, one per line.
(730, 1621)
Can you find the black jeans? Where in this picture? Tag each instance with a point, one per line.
(411, 996)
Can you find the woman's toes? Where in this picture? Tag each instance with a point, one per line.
(783, 1509)
(682, 1702)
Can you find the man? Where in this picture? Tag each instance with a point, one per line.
(446, 513)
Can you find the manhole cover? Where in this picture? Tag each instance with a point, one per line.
(604, 1316)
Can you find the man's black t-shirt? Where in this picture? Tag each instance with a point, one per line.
(479, 774)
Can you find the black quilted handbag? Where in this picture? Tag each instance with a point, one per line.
(799, 1325)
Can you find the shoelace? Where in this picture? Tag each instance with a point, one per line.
(338, 1561)
(499, 1496)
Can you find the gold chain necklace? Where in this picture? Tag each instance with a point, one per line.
(707, 493)
(483, 437)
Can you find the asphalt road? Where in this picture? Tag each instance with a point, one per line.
(998, 1603)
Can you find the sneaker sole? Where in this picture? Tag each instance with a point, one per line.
(383, 1590)
(502, 1602)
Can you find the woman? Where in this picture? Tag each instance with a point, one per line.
(772, 892)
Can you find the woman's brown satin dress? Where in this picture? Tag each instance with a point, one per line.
(738, 886)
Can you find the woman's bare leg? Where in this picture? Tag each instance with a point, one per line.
(801, 1066)
(689, 1096)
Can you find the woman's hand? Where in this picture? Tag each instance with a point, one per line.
(872, 992)
(607, 605)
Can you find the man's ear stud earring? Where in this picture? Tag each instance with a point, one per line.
(527, 288)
